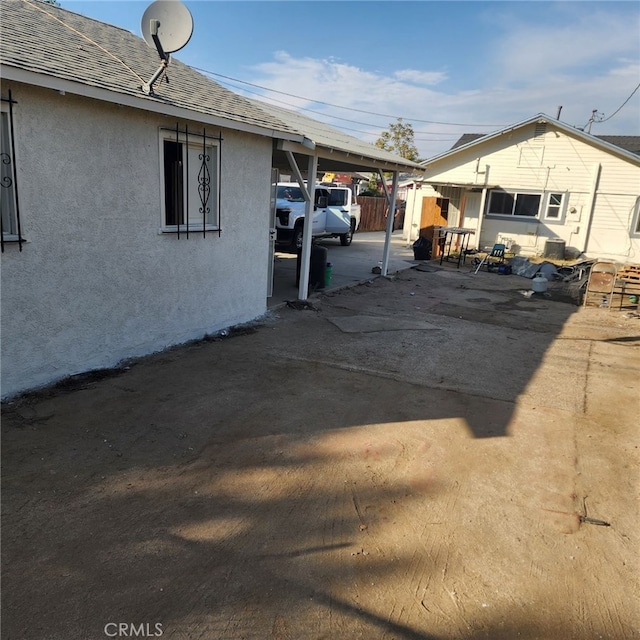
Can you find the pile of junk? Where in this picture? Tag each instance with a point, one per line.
(585, 282)
(572, 279)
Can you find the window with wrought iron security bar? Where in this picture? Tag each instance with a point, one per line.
(9, 203)
(190, 181)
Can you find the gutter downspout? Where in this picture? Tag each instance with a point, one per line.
(483, 201)
(595, 182)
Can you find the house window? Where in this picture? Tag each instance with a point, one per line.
(190, 182)
(503, 203)
(9, 209)
(554, 208)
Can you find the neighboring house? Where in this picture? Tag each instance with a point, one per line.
(130, 221)
(535, 181)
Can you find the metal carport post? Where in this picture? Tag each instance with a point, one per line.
(391, 204)
(308, 192)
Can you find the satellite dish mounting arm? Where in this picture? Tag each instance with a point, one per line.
(155, 25)
(147, 87)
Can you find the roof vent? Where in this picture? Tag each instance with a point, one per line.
(541, 129)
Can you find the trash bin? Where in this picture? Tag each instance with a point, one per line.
(421, 249)
(317, 268)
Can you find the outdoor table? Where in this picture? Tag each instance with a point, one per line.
(447, 235)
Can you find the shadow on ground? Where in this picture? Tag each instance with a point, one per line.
(283, 483)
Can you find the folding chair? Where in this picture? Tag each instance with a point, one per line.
(601, 284)
(494, 258)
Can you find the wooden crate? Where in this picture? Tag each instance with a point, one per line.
(628, 284)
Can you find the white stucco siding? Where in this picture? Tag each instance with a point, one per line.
(96, 281)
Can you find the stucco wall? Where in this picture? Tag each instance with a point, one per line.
(96, 281)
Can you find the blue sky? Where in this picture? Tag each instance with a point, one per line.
(446, 67)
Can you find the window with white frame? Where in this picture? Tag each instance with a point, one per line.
(554, 209)
(9, 211)
(190, 182)
(513, 203)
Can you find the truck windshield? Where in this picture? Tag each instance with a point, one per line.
(293, 194)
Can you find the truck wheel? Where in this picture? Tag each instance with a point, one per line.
(347, 238)
(296, 239)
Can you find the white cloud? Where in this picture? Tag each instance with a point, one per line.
(574, 38)
(585, 64)
(420, 77)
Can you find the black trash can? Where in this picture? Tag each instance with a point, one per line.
(317, 267)
(421, 249)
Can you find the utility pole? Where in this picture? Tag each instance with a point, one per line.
(595, 117)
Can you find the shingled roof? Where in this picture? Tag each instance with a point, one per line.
(49, 46)
(59, 44)
(355, 154)
(629, 143)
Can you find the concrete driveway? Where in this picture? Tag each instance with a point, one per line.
(430, 456)
(351, 265)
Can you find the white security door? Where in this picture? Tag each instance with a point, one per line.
(275, 174)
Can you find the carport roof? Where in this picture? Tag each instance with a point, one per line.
(336, 150)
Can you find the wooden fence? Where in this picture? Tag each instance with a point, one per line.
(372, 214)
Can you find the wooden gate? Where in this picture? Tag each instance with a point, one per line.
(372, 210)
(435, 213)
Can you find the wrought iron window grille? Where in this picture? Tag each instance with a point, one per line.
(177, 196)
(9, 181)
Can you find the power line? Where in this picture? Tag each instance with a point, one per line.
(324, 115)
(622, 105)
(337, 106)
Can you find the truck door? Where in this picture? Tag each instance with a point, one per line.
(338, 214)
(319, 220)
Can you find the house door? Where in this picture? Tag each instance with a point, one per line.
(435, 212)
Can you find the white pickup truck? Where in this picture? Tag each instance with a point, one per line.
(335, 214)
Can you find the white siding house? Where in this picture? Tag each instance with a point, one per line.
(536, 181)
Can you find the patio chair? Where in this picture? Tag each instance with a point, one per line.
(494, 258)
(601, 284)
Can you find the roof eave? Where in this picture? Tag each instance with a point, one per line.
(359, 161)
(145, 103)
(363, 159)
(540, 118)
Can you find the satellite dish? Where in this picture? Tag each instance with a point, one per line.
(170, 22)
(167, 26)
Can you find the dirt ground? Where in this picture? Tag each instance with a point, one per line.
(411, 458)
